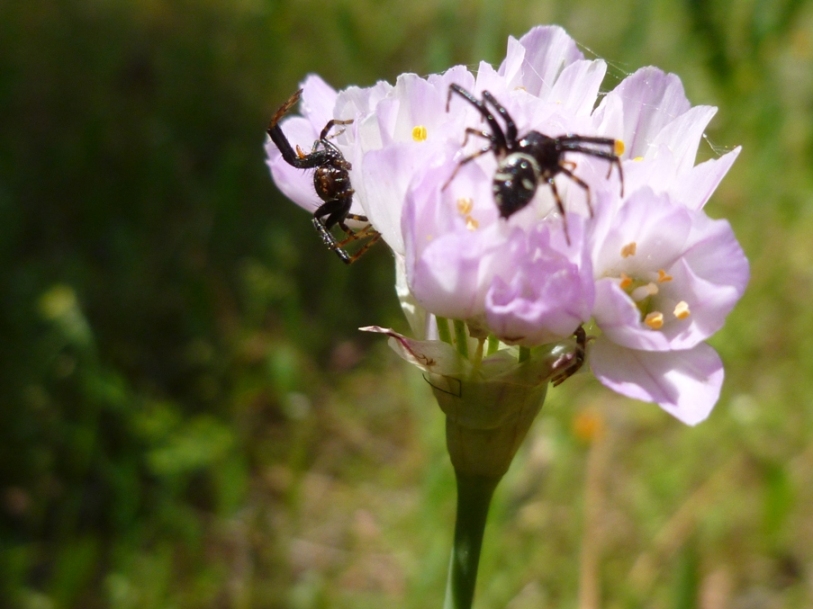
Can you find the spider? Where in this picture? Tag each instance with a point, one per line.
(572, 364)
(331, 180)
(526, 161)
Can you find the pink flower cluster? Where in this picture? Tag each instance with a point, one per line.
(649, 274)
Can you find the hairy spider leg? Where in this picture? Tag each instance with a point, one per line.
(368, 232)
(578, 181)
(559, 205)
(576, 361)
(329, 126)
(501, 146)
(474, 155)
(315, 159)
(496, 138)
(510, 125)
(574, 143)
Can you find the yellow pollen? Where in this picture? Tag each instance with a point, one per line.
(619, 148)
(682, 310)
(644, 291)
(654, 320)
(638, 158)
(626, 281)
(629, 249)
(419, 133)
(471, 223)
(663, 276)
(465, 205)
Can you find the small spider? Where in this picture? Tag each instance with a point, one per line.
(525, 162)
(331, 180)
(573, 362)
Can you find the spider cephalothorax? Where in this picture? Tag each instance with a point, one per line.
(534, 158)
(331, 180)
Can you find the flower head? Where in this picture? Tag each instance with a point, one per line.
(630, 254)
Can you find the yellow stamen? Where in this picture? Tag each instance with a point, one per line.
(419, 133)
(663, 276)
(654, 320)
(471, 223)
(644, 291)
(626, 281)
(629, 249)
(465, 205)
(619, 148)
(682, 310)
(638, 158)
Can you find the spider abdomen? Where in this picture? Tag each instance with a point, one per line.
(515, 183)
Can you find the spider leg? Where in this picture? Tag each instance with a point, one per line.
(578, 181)
(336, 211)
(478, 133)
(330, 125)
(315, 159)
(368, 232)
(560, 206)
(510, 126)
(573, 144)
(501, 146)
(329, 240)
(469, 158)
(284, 108)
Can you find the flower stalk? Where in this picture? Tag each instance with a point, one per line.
(474, 495)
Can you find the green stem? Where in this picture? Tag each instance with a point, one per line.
(443, 330)
(524, 354)
(493, 344)
(461, 337)
(473, 499)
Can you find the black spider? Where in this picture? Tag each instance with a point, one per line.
(526, 161)
(573, 363)
(331, 180)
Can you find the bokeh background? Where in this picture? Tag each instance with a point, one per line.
(190, 418)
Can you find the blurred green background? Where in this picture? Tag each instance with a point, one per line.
(189, 416)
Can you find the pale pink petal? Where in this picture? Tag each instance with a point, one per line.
(548, 50)
(686, 384)
(637, 109)
(682, 136)
(318, 102)
(696, 188)
(577, 87)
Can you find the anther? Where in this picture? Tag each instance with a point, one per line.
(654, 320)
(663, 276)
(629, 249)
(419, 133)
(618, 147)
(626, 281)
(471, 223)
(465, 205)
(682, 310)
